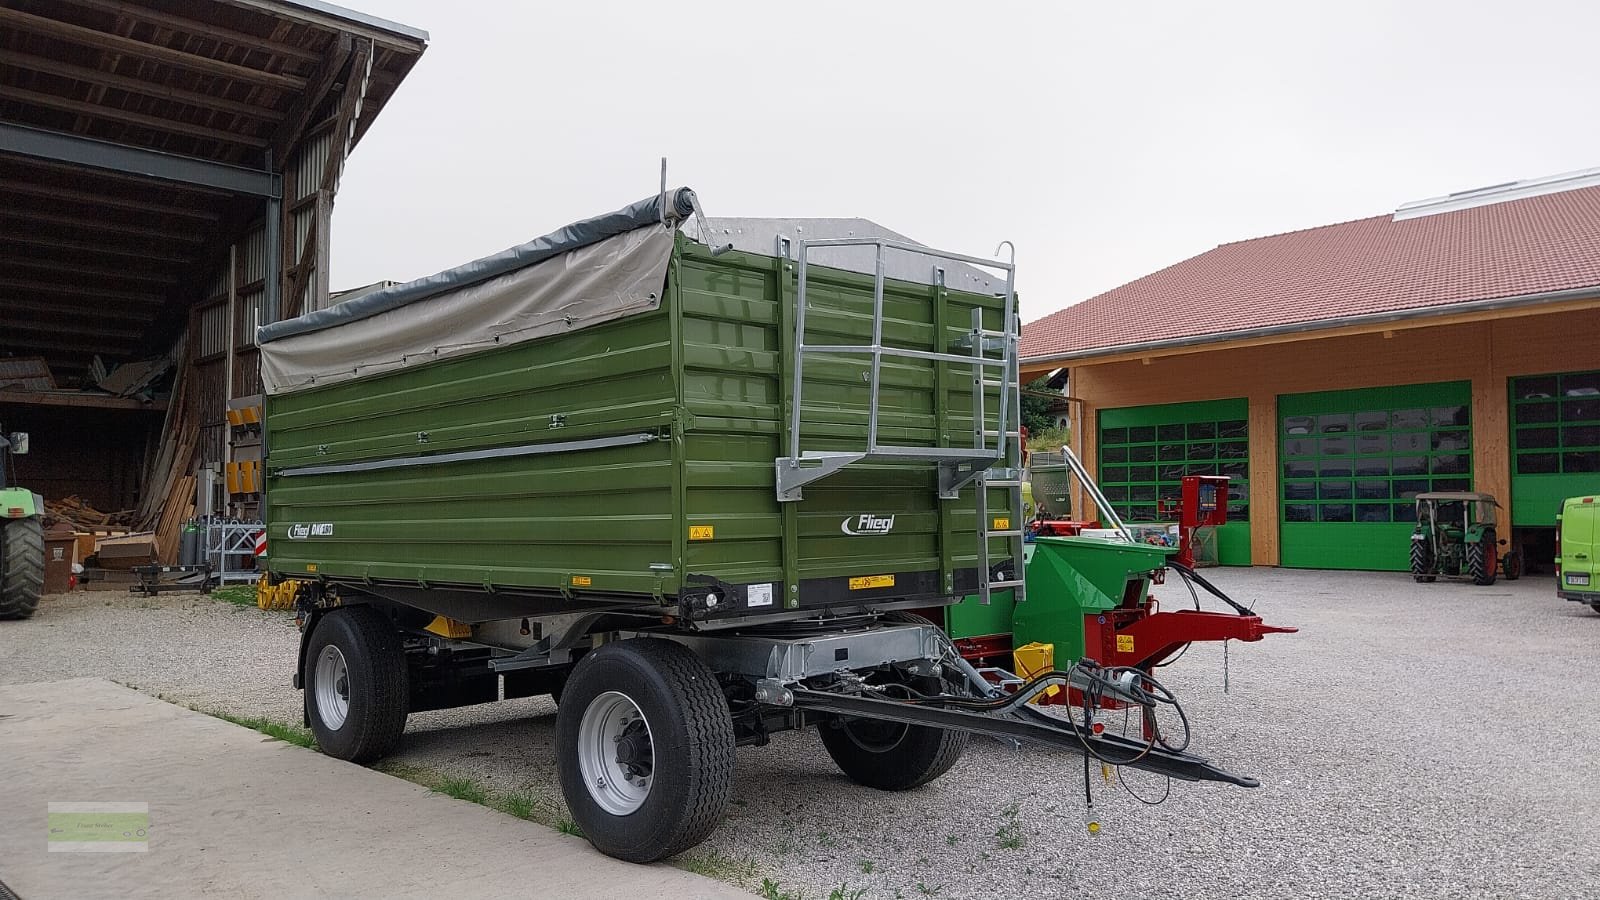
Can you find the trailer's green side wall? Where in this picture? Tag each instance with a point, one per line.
(1352, 462)
(1145, 451)
(709, 373)
(1555, 443)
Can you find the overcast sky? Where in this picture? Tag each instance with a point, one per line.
(1107, 140)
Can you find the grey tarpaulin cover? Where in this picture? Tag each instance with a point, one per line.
(592, 271)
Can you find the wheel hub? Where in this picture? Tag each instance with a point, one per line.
(634, 753)
(332, 687)
(615, 753)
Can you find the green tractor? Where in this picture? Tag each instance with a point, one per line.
(1455, 537)
(21, 538)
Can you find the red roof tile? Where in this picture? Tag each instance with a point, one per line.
(1508, 249)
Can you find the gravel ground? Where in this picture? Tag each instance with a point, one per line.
(1412, 741)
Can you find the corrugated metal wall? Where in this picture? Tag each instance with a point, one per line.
(307, 206)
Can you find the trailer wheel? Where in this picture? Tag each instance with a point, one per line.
(646, 749)
(891, 756)
(1481, 560)
(1422, 562)
(21, 567)
(355, 684)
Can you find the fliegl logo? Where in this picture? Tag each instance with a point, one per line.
(299, 532)
(867, 523)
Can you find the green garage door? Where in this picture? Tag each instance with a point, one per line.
(1555, 443)
(1352, 462)
(1146, 450)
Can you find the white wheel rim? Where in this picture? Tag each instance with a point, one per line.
(616, 754)
(332, 687)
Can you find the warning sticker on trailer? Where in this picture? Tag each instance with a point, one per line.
(702, 532)
(758, 595)
(1124, 643)
(582, 581)
(871, 581)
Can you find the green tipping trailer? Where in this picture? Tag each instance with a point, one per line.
(688, 490)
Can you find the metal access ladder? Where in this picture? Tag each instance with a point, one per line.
(958, 466)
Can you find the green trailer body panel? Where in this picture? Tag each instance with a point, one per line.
(1555, 443)
(1072, 577)
(1352, 462)
(689, 406)
(1145, 451)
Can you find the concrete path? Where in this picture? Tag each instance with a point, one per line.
(235, 814)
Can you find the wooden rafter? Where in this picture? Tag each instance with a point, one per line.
(133, 85)
(87, 223)
(298, 119)
(101, 40)
(70, 290)
(197, 29)
(98, 248)
(112, 114)
(45, 307)
(120, 273)
(103, 198)
(13, 324)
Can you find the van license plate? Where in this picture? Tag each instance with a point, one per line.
(1578, 578)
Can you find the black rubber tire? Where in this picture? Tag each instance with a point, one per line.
(691, 732)
(21, 567)
(890, 756)
(1481, 560)
(1422, 562)
(1511, 566)
(379, 694)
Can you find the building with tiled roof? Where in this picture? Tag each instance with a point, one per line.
(1336, 372)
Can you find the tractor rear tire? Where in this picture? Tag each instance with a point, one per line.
(21, 567)
(1422, 563)
(355, 684)
(645, 749)
(1481, 559)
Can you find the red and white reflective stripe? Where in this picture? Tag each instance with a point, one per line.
(261, 543)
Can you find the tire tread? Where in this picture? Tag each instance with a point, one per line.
(21, 567)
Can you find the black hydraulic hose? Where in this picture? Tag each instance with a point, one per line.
(1211, 589)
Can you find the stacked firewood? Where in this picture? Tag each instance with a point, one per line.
(77, 512)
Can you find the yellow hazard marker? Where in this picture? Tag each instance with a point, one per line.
(449, 628)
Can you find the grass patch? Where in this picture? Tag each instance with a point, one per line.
(770, 890)
(843, 892)
(463, 789)
(289, 734)
(719, 866)
(1009, 836)
(237, 594)
(521, 804)
(567, 826)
